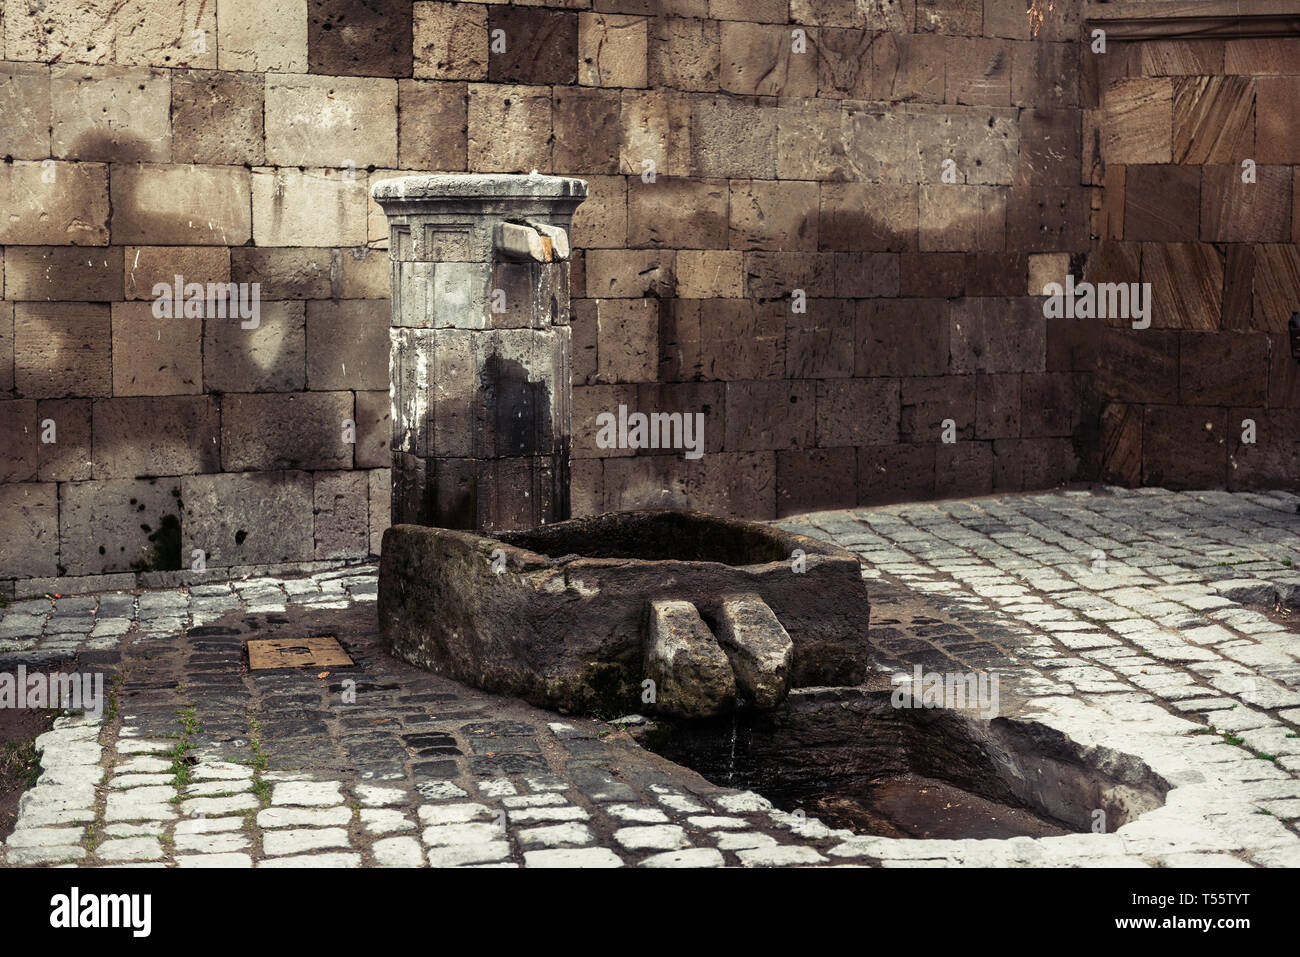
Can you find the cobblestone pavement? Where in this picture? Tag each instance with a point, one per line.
(1116, 617)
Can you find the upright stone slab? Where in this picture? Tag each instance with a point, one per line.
(481, 350)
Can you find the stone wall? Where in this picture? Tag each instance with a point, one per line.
(746, 158)
(1193, 148)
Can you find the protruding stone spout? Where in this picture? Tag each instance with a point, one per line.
(698, 674)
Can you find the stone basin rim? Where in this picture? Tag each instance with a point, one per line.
(525, 557)
(477, 186)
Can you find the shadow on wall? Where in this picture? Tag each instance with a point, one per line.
(844, 402)
(129, 516)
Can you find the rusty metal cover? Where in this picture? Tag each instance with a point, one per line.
(296, 653)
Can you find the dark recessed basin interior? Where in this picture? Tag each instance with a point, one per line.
(655, 535)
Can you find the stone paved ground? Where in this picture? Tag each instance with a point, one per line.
(1117, 617)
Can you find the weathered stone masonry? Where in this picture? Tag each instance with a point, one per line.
(236, 140)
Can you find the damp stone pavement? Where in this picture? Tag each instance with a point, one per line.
(1148, 621)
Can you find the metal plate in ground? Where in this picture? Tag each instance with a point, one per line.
(323, 652)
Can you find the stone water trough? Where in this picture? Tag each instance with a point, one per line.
(673, 612)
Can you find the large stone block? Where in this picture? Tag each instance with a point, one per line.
(1277, 277)
(181, 205)
(678, 213)
(1236, 212)
(29, 530)
(360, 37)
(810, 141)
(155, 356)
(895, 473)
(146, 266)
(70, 31)
(997, 406)
(20, 431)
(811, 480)
(541, 46)
(740, 339)
(1161, 203)
(381, 490)
(601, 221)
(331, 121)
(627, 340)
(962, 218)
(314, 207)
(120, 525)
(374, 430)
(1186, 284)
(997, 335)
(773, 215)
(711, 274)
(857, 412)
(54, 204)
(844, 63)
(1047, 75)
(62, 349)
(684, 54)
(6, 346)
(249, 519)
(109, 113)
(979, 72)
(868, 217)
(630, 273)
(431, 124)
(1136, 123)
(901, 337)
(451, 41)
(258, 38)
(929, 402)
(1184, 447)
(815, 341)
(1047, 218)
(290, 272)
(36, 273)
(217, 118)
(770, 415)
(645, 140)
(963, 469)
(1277, 112)
(292, 430)
(347, 344)
(166, 33)
(156, 435)
(733, 137)
(1223, 368)
(587, 131)
(268, 358)
(509, 128)
(760, 59)
(908, 68)
(612, 50)
(25, 106)
(67, 459)
(1050, 404)
(342, 519)
(1213, 122)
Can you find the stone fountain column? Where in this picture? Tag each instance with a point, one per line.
(481, 348)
